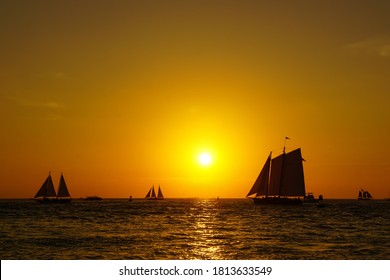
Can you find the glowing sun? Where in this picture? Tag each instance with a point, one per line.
(205, 159)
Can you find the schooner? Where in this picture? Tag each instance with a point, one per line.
(152, 194)
(281, 181)
(47, 193)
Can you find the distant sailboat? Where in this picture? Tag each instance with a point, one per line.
(152, 194)
(47, 193)
(281, 181)
(364, 195)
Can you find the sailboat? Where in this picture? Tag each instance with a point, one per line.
(47, 193)
(152, 194)
(364, 195)
(281, 181)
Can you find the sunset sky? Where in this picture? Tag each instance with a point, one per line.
(121, 95)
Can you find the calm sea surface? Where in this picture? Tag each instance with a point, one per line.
(193, 229)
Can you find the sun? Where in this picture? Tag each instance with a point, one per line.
(205, 159)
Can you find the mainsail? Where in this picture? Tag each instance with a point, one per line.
(62, 189)
(47, 189)
(281, 177)
(292, 180)
(159, 193)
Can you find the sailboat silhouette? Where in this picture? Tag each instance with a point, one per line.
(151, 195)
(47, 193)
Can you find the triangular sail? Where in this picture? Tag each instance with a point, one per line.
(47, 189)
(260, 186)
(62, 188)
(366, 194)
(159, 193)
(153, 194)
(148, 194)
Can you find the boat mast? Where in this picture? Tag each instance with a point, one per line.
(281, 173)
(269, 174)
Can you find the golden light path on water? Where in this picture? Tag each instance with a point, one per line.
(205, 243)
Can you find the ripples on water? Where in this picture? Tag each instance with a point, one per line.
(193, 229)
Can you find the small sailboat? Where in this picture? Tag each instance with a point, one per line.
(151, 195)
(364, 195)
(281, 181)
(47, 193)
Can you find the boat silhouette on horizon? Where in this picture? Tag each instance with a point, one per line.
(47, 193)
(364, 195)
(151, 195)
(281, 181)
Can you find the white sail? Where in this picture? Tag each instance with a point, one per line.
(260, 186)
(62, 188)
(47, 189)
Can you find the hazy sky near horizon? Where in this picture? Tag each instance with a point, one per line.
(121, 95)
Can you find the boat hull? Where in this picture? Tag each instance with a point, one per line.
(311, 200)
(277, 201)
(53, 200)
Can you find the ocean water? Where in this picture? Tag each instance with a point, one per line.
(186, 229)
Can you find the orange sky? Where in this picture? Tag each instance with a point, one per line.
(121, 95)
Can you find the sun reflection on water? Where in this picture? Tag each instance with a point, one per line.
(206, 243)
